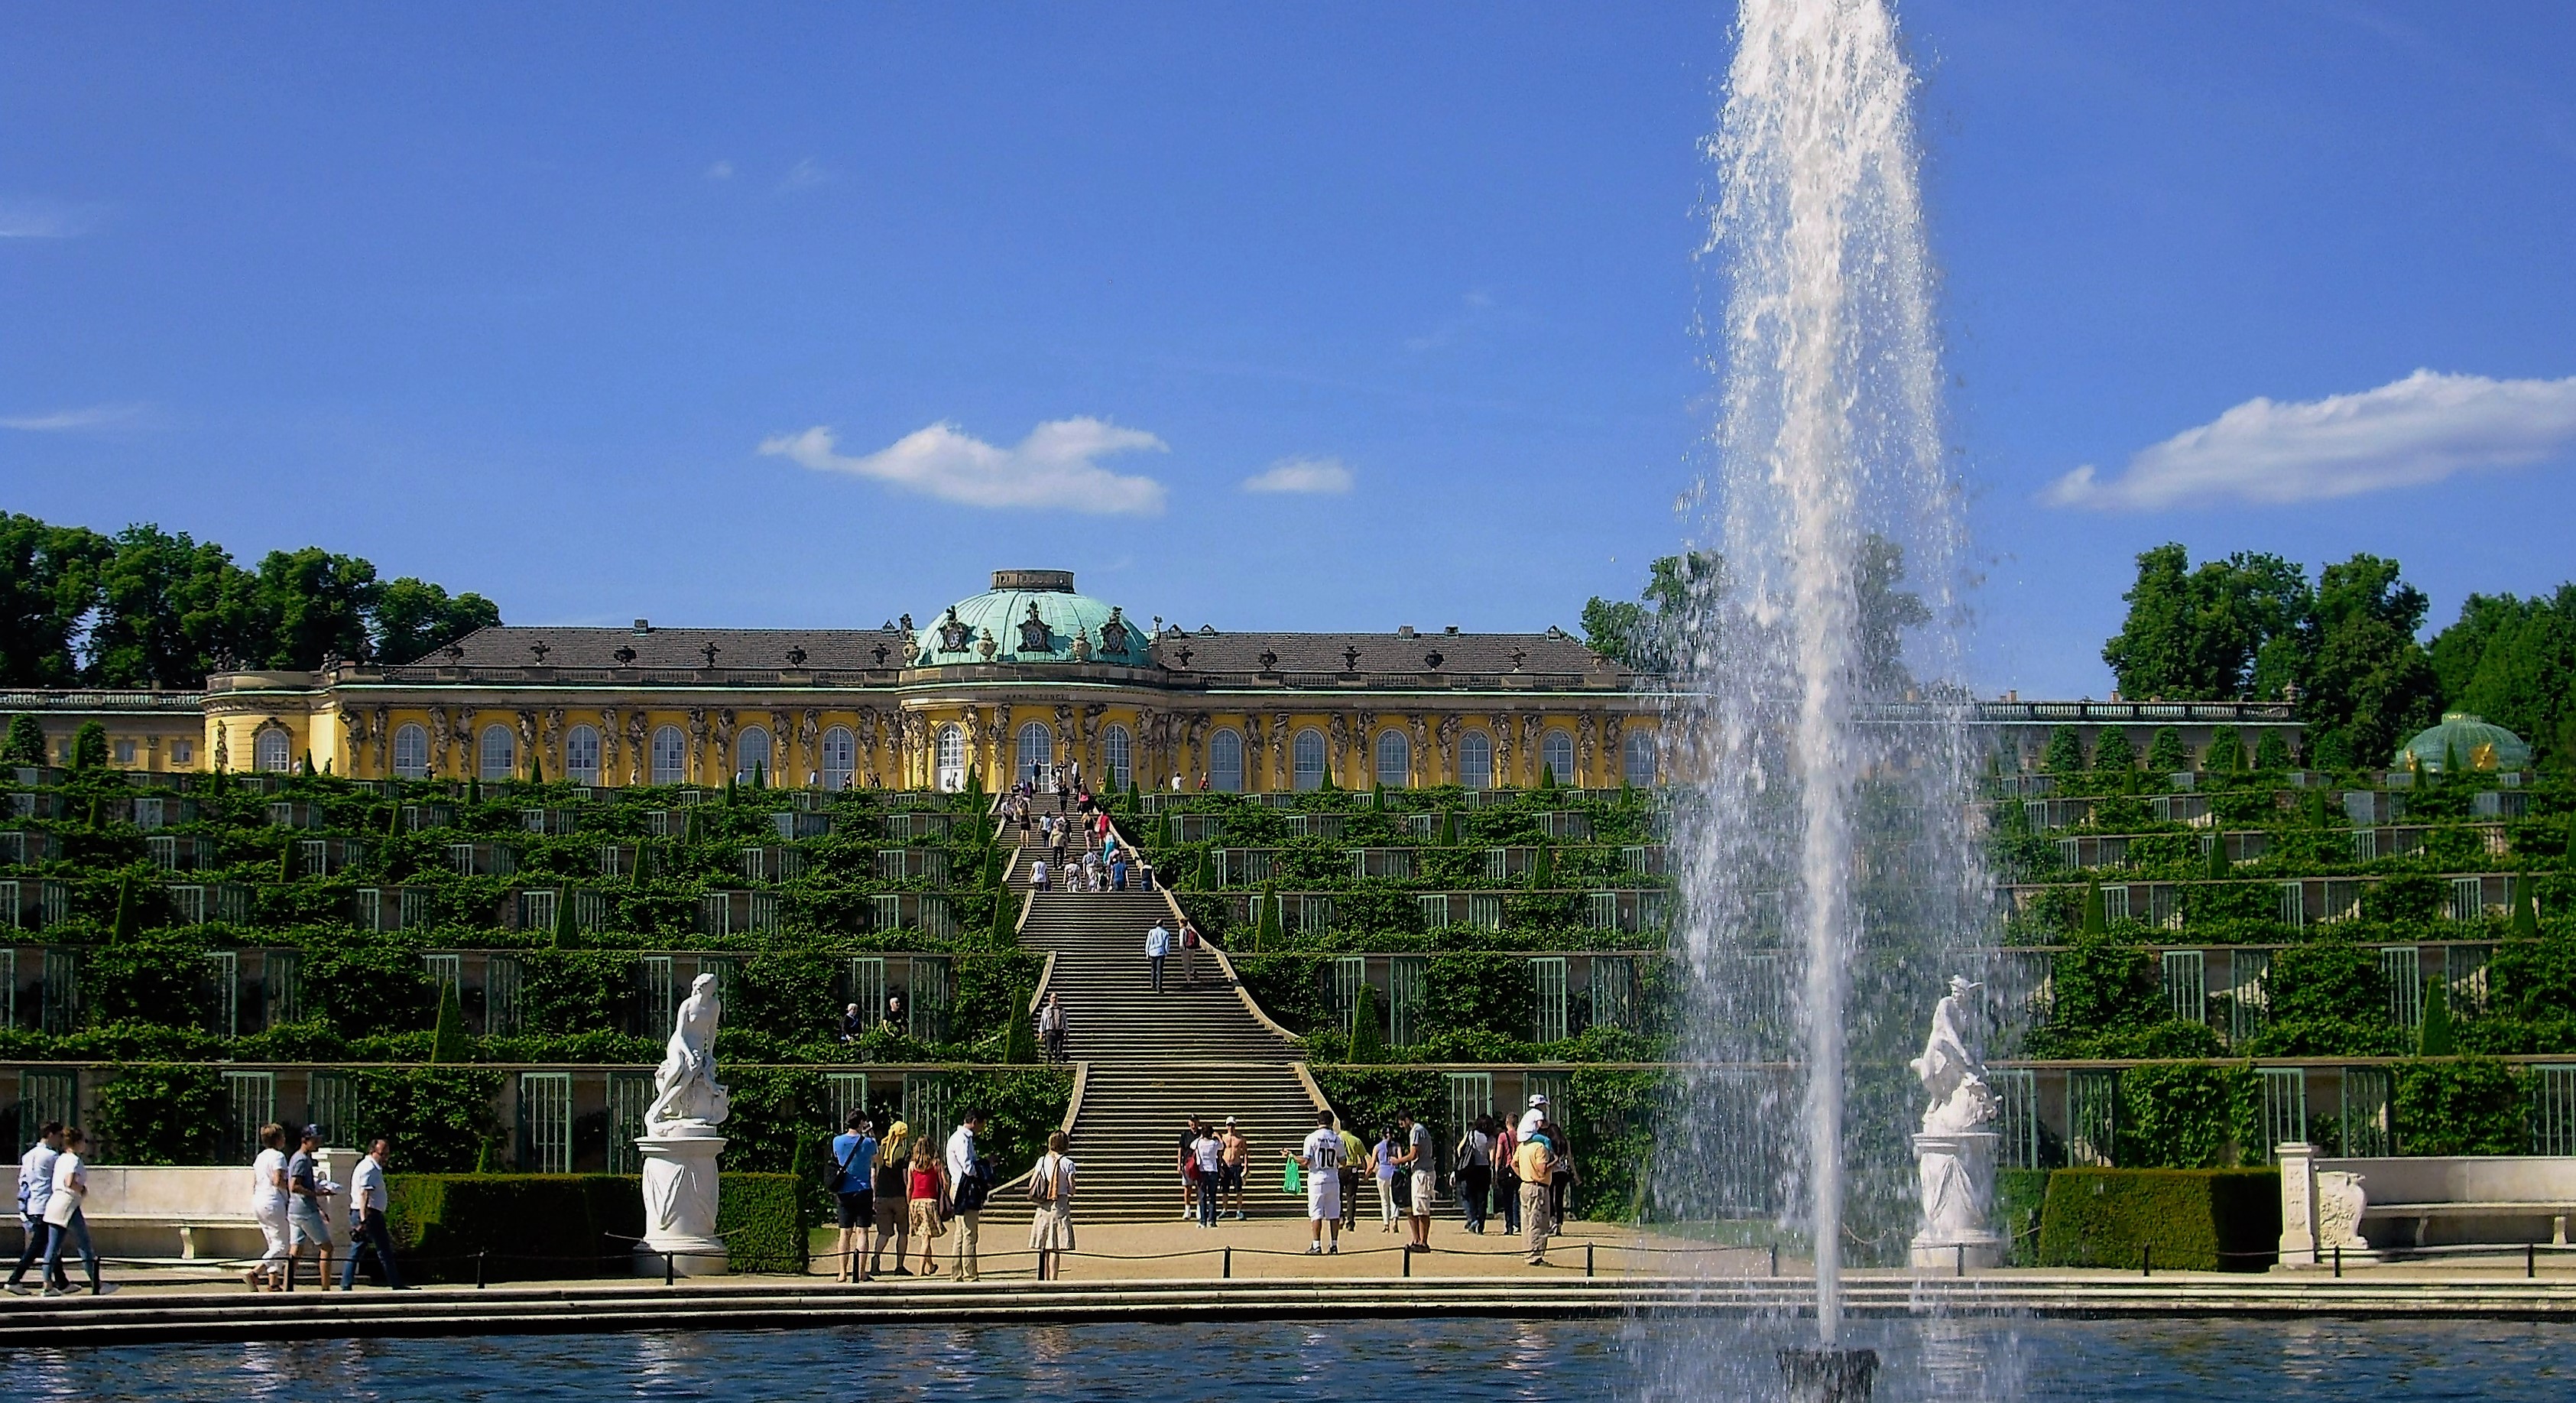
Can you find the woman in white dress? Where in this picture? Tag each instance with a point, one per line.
(268, 1204)
(1051, 1187)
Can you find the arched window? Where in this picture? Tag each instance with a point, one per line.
(1037, 754)
(500, 752)
(1637, 758)
(581, 755)
(1394, 759)
(1225, 762)
(1306, 754)
(840, 757)
(1556, 751)
(670, 755)
(751, 756)
(1475, 760)
(411, 752)
(272, 753)
(952, 758)
(1118, 748)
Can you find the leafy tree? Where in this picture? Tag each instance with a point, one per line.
(168, 608)
(89, 746)
(2228, 629)
(1640, 633)
(2436, 1038)
(2225, 754)
(308, 604)
(2113, 753)
(2272, 752)
(415, 618)
(2369, 684)
(2513, 661)
(26, 745)
(1885, 612)
(2065, 753)
(2165, 753)
(48, 580)
(1368, 1028)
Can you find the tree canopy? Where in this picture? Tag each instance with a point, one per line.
(1644, 633)
(147, 606)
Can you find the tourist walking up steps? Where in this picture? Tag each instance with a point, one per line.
(368, 1230)
(1382, 1164)
(35, 1190)
(1051, 1186)
(1321, 1158)
(928, 1190)
(63, 1214)
(854, 1193)
(1532, 1165)
(268, 1206)
(1158, 944)
(1189, 952)
(1051, 1029)
(894, 1199)
(968, 1187)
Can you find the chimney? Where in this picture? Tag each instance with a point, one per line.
(643, 625)
(1404, 630)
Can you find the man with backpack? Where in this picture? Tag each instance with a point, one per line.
(854, 1157)
(1189, 951)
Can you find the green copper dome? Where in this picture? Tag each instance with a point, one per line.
(1031, 616)
(2471, 742)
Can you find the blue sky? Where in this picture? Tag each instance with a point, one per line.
(813, 315)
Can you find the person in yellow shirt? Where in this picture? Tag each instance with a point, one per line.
(1533, 1164)
(1354, 1154)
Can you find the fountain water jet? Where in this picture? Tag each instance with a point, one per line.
(1822, 766)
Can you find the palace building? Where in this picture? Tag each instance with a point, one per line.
(1027, 679)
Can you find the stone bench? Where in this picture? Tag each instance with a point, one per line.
(2402, 1203)
(187, 1213)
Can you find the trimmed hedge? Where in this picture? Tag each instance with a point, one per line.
(533, 1227)
(2194, 1219)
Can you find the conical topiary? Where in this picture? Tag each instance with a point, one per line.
(2526, 910)
(1368, 1029)
(2219, 867)
(123, 930)
(1377, 797)
(536, 769)
(1546, 775)
(2095, 919)
(447, 1039)
(1271, 932)
(2272, 752)
(1543, 868)
(2435, 1038)
(567, 930)
(1448, 828)
(1006, 916)
(1019, 1039)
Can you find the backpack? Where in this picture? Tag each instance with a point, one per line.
(1189, 937)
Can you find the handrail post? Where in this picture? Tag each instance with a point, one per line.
(666, 1267)
(1408, 1261)
(1960, 1267)
(1775, 1259)
(2147, 1259)
(1229, 1264)
(2530, 1260)
(1587, 1260)
(478, 1271)
(2338, 1262)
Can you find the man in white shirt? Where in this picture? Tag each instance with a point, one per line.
(1533, 1118)
(35, 1190)
(1158, 943)
(1321, 1158)
(966, 1188)
(368, 1229)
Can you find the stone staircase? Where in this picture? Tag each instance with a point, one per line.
(1153, 1060)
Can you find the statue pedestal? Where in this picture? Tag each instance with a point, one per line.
(680, 1201)
(1958, 1176)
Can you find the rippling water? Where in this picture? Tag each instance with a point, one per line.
(1437, 1362)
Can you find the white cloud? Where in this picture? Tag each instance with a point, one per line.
(806, 174)
(1317, 476)
(721, 170)
(2422, 429)
(95, 416)
(44, 219)
(1052, 467)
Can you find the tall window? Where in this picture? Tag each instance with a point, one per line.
(1119, 749)
(1556, 751)
(1037, 753)
(1637, 758)
(840, 757)
(751, 756)
(1475, 760)
(1394, 759)
(411, 752)
(1306, 755)
(1225, 762)
(272, 753)
(500, 752)
(670, 755)
(952, 758)
(581, 755)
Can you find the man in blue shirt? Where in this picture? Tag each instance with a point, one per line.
(854, 1157)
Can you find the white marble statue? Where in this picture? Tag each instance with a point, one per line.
(1955, 1148)
(684, 1088)
(680, 1145)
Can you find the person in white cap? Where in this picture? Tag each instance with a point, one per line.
(1534, 1116)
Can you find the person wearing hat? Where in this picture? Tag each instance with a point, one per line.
(894, 1210)
(1534, 1117)
(306, 1192)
